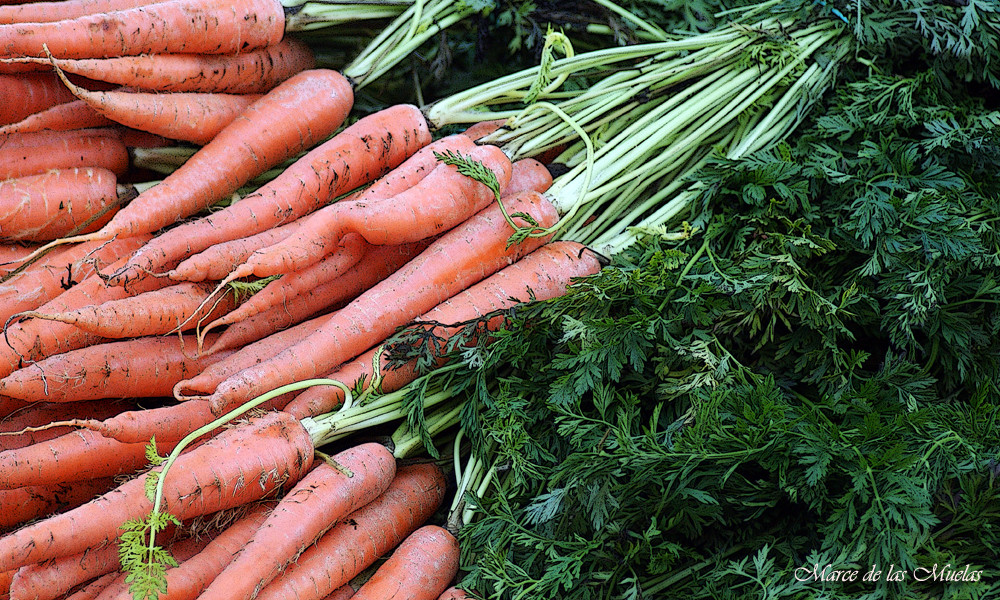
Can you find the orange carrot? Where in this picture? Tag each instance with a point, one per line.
(483, 128)
(356, 542)
(49, 205)
(53, 578)
(94, 588)
(420, 569)
(453, 593)
(75, 114)
(237, 466)
(360, 153)
(23, 95)
(377, 264)
(342, 593)
(26, 503)
(31, 425)
(195, 117)
(9, 406)
(528, 174)
(543, 274)
(40, 12)
(192, 26)
(293, 116)
(145, 367)
(439, 201)
(177, 307)
(459, 258)
(5, 578)
(324, 496)
(12, 255)
(34, 153)
(246, 72)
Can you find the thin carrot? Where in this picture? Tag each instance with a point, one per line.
(247, 72)
(32, 502)
(356, 542)
(360, 153)
(421, 568)
(235, 467)
(195, 117)
(33, 424)
(145, 367)
(483, 128)
(439, 201)
(75, 114)
(23, 95)
(325, 495)
(192, 26)
(40, 12)
(34, 153)
(459, 258)
(293, 116)
(377, 264)
(55, 577)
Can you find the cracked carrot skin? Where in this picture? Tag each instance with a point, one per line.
(241, 464)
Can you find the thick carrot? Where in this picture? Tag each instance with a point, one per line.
(293, 116)
(541, 275)
(360, 153)
(52, 578)
(75, 114)
(529, 174)
(40, 12)
(459, 258)
(324, 496)
(192, 26)
(357, 541)
(377, 264)
(145, 367)
(26, 503)
(177, 307)
(288, 288)
(39, 152)
(195, 572)
(247, 72)
(49, 205)
(439, 201)
(421, 568)
(12, 255)
(237, 466)
(195, 117)
(32, 424)
(23, 95)
(58, 271)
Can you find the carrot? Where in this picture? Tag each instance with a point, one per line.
(94, 588)
(54, 273)
(32, 502)
(146, 367)
(49, 205)
(439, 201)
(192, 26)
(483, 128)
(453, 593)
(12, 255)
(177, 307)
(75, 114)
(288, 288)
(529, 174)
(360, 153)
(23, 95)
(9, 406)
(247, 72)
(543, 274)
(34, 153)
(237, 466)
(293, 116)
(377, 264)
(341, 593)
(32, 424)
(356, 542)
(195, 117)
(40, 12)
(5, 578)
(324, 496)
(195, 571)
(53, 578)
(456, 260)
(420, 569)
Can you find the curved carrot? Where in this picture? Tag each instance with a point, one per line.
(541, 275)
(421, 568)
(439, 201)
(247, 72)
(49, 205)
(32, 502)
(217, 261)
(324, 496)
(26, 94)
(293, 116)
(146, 367)
(180, 306)
(41, 12)
(75, 114)
(360, 153)
(237, 466)
(53, 578)
(459, 258)
(34, 153)
(198, 26)
(377, 264)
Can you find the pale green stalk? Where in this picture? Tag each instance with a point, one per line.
(319, 14)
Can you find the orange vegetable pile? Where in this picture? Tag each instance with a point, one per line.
(114, 292)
